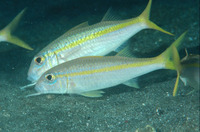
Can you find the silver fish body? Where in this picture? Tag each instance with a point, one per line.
(95, 40)
(93, 73)
(87, 74)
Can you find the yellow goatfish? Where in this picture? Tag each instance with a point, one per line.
(95, 40)
(86, 75)
(189, 71)
(5, 33)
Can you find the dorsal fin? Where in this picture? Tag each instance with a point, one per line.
(84, 24)
(109, 16)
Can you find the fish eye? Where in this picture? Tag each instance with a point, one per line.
(50, 77)
(39, 60)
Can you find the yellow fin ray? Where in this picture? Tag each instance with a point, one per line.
(176, 84)
(144, 17)
(17, 41)
(170, 57)
(6, 33)
(13, 24)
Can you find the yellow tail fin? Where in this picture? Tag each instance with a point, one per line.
(5, 34)
(144, 17)
(172, 60)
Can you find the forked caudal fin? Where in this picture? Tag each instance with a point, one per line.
(5, 34)
(171, 59)
(144, 17)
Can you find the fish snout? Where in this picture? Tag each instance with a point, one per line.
(32, 77)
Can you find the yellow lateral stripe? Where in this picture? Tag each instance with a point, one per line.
(95, 35)
(112, 68)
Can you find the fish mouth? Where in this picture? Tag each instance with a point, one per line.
(32, 79)
(40, 89)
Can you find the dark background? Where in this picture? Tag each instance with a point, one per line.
(121, 108)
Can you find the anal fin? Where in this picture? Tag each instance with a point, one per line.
(132, 83)
(93, 94)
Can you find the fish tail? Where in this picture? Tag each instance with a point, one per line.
(5, 34)
(170, 57)
(144, 17)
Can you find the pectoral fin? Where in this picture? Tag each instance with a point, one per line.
(184, 80)
(93, 94)
(123, 46)
(125, 52)
(62, 56)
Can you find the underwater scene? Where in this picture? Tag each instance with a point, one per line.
(99, 65)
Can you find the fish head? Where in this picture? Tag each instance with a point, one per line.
(37, 68)
(49, 83)
(39, 65)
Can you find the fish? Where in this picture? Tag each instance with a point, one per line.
(189, 71)
(86, 76)
(94, 40)
(6, 33)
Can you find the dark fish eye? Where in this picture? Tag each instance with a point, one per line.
(50, 77)
(39, 60)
